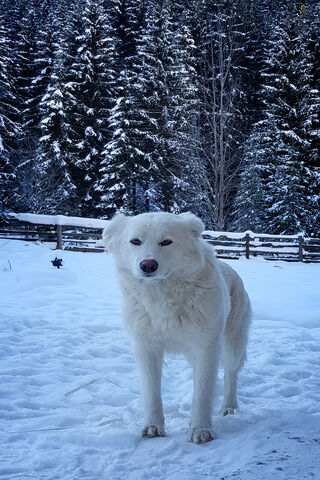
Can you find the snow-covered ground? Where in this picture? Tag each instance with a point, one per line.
(70, 404)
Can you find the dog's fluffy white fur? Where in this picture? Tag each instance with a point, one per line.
(188, 302)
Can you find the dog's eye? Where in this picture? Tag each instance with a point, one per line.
(164, 243)
(135, 241)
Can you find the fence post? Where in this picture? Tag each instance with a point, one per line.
(59, 237)
(247, 245)
(300, 237)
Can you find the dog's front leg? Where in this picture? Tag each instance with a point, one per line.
(150, 369)
(205, 366)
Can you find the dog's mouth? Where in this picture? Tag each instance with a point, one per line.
(149, 275)
(153, 277)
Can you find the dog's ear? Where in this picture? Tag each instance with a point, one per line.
(112, 231)
(193, 223)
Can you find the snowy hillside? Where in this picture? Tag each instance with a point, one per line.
(70, 405)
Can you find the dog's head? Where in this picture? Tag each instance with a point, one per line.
(155, 245)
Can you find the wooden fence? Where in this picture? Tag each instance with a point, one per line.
(271, 247)
(67, 233)
(79, 234)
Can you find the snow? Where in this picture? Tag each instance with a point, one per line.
(46, 120)
(70, 405)
(44, 138)
(60, 220)
(89, 132)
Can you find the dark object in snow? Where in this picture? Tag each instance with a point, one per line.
(57, 262)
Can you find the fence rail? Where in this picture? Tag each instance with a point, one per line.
(80, 234)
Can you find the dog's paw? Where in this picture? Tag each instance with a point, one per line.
(226, 411)
(150, 431)
(200, 435)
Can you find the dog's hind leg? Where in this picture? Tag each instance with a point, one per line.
(230, 402)
(234, 350)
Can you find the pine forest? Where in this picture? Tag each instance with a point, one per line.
(209, 106)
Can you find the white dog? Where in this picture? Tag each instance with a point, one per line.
(177, 297)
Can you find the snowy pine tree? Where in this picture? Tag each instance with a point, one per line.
(167, 96)
(116, 171)
(30, 87)
(90, 78)
(123, 160)
(251, 201)
(56, 188)
(189, 171)
(9, 125)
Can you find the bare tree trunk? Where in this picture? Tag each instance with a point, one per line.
(219, 93)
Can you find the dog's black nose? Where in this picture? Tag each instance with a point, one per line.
(148, 266)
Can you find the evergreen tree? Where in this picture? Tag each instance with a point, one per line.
(9, 127)
(253, 16)
(287, 193)
(250, 203)
(166, 93)
(118, 178)
(190, 175)
(153, 100)
(167, 103)
(56, 189)
(128, 168)
(91, 81)
(29, 90)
